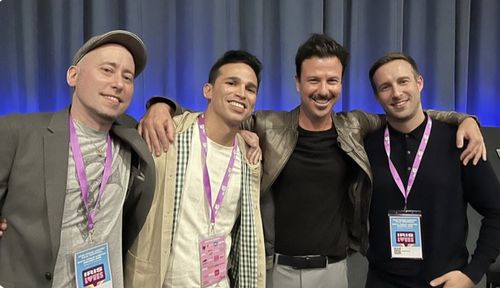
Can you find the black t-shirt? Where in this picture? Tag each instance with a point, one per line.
(310, 195)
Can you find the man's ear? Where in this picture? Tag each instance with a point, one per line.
(207, 91)
(420, 83)
(297, 83)
(72, 75)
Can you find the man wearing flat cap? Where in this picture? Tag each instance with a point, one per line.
(70, 180)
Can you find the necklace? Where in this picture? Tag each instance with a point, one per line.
(100, 150)
(96, 139)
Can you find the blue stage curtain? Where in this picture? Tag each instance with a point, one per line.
(455, 42)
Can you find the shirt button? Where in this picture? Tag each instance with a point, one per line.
(408, 152)
(406, 135)
(48, 276)
(409, 168)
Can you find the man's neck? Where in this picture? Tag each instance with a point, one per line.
(219, 131)
(317, 124)
(407, 125)
(89, 122)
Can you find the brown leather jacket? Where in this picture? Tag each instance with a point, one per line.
(278, 135)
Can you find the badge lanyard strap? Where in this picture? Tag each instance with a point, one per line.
(416, 162)
(206, 177)
(82, 176)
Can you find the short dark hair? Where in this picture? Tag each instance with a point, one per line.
(235, 56)
(389, 57)
(321, 46)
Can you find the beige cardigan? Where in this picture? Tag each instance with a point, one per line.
(147, 260)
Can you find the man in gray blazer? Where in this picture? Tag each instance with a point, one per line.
(73, 182)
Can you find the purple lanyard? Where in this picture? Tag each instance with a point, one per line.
(82, 177)
(416, 162)
(206, 178)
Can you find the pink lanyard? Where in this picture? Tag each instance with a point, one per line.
(416, 162)
(82, 177)
(206, 178)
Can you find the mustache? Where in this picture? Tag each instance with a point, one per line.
(318, 96)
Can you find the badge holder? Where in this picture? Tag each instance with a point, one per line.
(213, 261)
(405, 233)
(92, 267)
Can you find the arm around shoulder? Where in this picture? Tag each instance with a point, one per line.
(368, 122)
(175, 108)
(450, 117)
(468, 129)
(249, 123)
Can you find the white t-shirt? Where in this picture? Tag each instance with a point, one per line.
(194, 212)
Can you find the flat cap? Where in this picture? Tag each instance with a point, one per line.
(127, 39)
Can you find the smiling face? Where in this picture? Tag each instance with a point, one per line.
(398, 89)
(103, 82)
(319, 86)
(233, 94)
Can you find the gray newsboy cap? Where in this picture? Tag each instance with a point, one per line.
(127, 39)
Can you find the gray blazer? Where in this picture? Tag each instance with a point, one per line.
(33, 174)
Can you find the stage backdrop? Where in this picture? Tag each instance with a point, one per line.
(456, 43)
